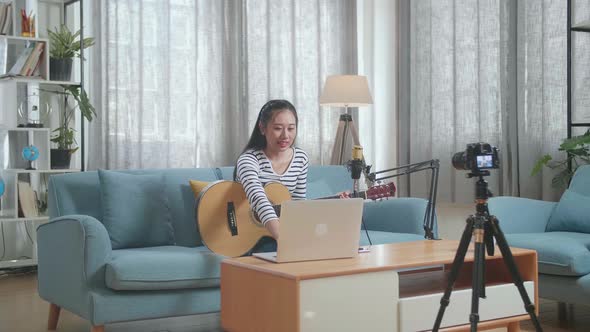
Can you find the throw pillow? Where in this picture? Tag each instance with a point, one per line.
(198, 186)
(572, 214)
(135, 210)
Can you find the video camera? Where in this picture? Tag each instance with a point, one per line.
(477, 158)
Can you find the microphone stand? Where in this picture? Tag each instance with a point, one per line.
(356, 166)
(434, 165)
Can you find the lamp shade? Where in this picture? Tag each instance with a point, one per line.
(346, 91)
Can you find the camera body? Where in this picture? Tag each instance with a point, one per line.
(477, 157)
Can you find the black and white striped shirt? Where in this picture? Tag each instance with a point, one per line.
(254, 171)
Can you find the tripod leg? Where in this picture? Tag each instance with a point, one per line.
(354, 133)
(488, 240)
(457, 263)
(511, 264)
(482, 283)
(477, 281)
(339, 143)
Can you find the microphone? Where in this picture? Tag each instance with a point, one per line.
(357, 164)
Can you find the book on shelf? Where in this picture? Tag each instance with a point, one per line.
(3, 7)
(33, 60)
(27, 203)
(20, 61)
(27, 61)
(5, 18)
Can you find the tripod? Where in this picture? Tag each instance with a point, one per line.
(346, 137)
(483, 228)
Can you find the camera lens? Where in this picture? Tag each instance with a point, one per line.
(459, 161)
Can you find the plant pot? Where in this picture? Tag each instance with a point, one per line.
(60, 159)
(60, 69)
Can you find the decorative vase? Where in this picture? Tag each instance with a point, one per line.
(60, 159)
(60, 69)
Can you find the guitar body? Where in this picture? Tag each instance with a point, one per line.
(225, 220)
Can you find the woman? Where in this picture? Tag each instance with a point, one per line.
(270, 156)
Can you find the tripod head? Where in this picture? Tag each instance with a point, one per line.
(482, 193)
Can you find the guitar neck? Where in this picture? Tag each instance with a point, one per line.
(360, 194)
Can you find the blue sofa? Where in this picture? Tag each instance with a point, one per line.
(559, 232)
(79, 270)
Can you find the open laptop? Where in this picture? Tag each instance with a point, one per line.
(317, 229)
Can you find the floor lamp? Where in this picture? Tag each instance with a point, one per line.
(345, 91)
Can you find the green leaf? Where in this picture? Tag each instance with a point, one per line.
(574, 142)
(81, 98)
(540, 163)
(64, 44)
(577, 151)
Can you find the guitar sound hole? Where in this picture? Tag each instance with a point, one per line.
(231, 219)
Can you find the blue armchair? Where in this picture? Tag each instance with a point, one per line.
(559, 232)
(84, 270)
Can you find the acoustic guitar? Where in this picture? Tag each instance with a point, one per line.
(229, 227)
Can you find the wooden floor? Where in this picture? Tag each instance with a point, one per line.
(22, 310)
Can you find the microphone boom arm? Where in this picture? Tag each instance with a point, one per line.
(433, 165)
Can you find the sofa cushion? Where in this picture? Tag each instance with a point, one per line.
(166, 267)
(581, 181)
(378, 237)
(400, 215)
(181, 200)
(572, 214)
(327, 180)
(318, 189)
(559, 253)
(135, 210)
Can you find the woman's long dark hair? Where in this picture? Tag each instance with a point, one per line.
(257, 141)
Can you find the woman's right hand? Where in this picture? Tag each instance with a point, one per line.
(273, 228)
(344, 194)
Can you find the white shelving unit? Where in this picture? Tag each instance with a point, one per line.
(18, 95)
(9, 215)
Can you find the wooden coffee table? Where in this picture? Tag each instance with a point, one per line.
(395, 287)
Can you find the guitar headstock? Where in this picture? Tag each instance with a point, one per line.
(381, 191)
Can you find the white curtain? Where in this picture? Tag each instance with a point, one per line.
(485, 70)
(183, 81)
(377, 40)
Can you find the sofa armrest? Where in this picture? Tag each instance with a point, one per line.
(521, 215)
(399, 215)
(72, 253)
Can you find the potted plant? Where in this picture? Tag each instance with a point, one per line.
(577, 149)
(64, 134)
(64, 46)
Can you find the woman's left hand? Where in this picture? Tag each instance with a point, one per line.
(344, 194)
